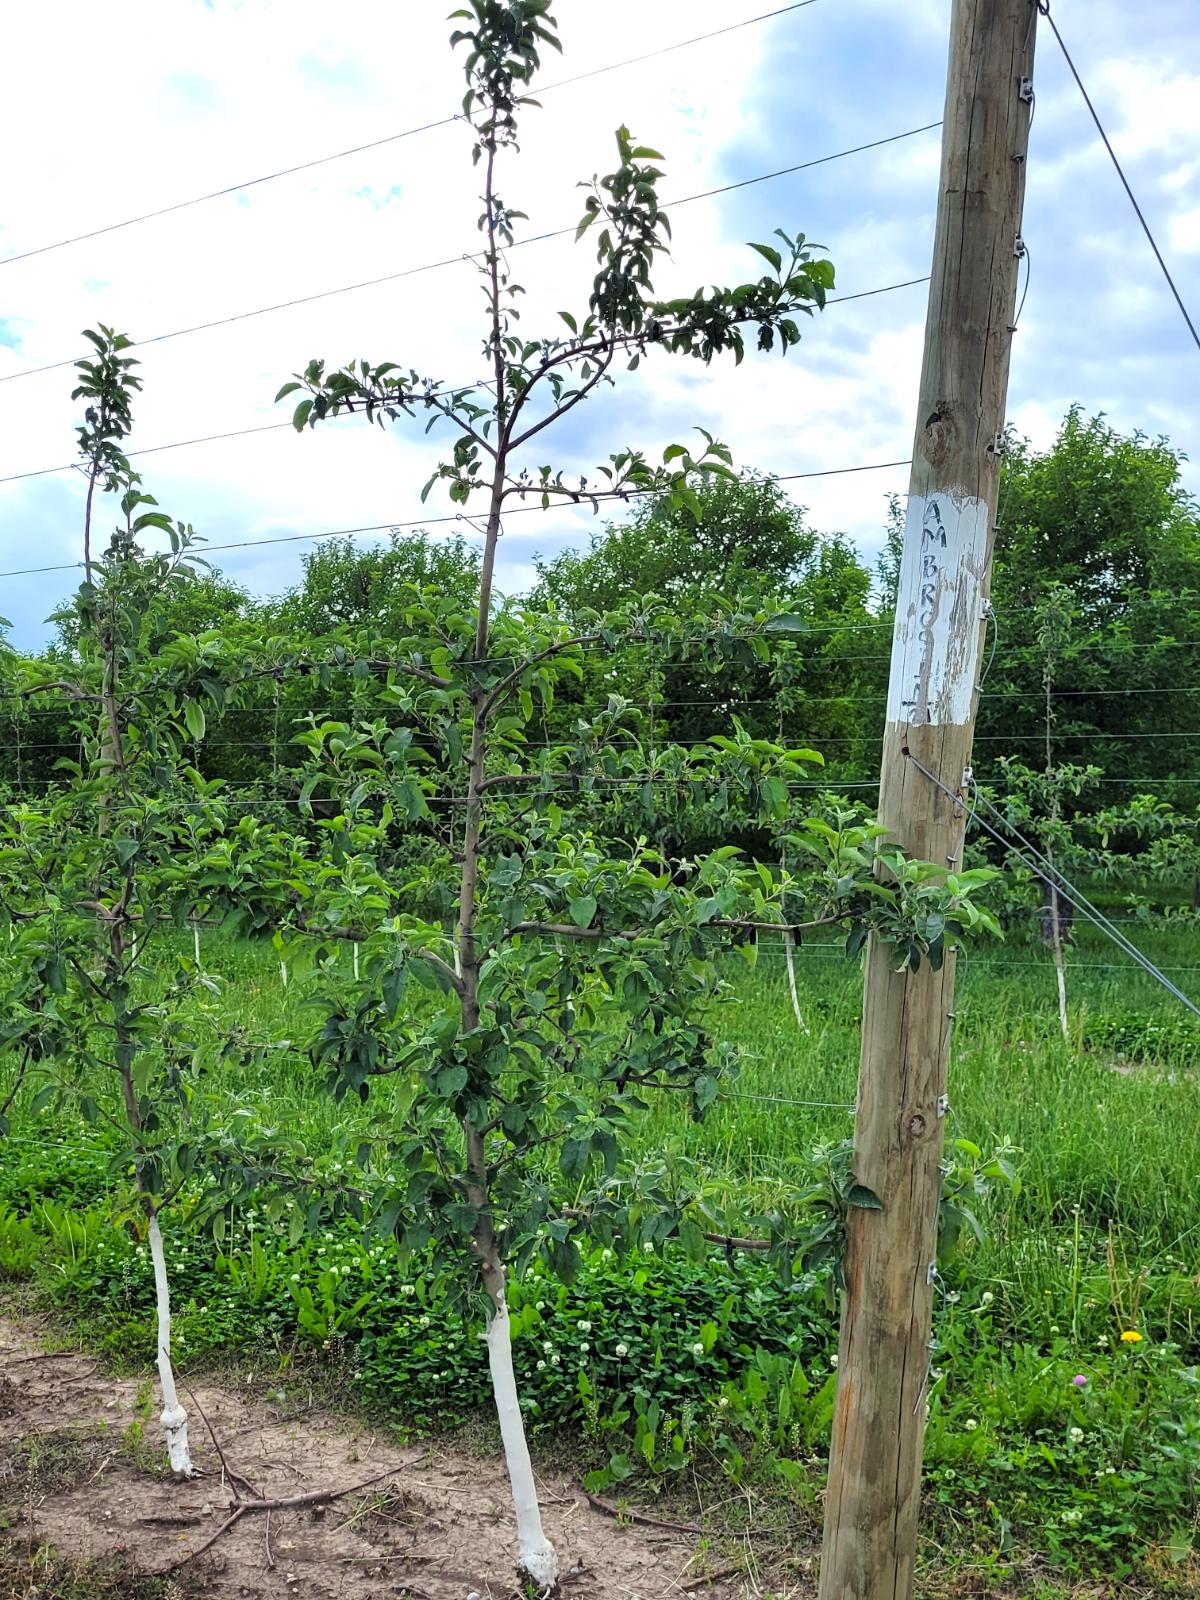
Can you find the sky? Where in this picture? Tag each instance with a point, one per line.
(109, 112)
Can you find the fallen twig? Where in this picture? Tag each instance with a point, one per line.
(235, 1478)
(711, 1577)
(646, 1521)
(315, 1497)
(240, 1508)
(48, 1355)
(190, 1555)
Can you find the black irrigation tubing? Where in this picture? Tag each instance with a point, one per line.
(393, 138)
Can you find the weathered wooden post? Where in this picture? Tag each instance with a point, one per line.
(885, 1353)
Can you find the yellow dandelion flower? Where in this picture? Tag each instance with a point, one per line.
(1131, 1336)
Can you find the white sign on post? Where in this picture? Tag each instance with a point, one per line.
(939, 606)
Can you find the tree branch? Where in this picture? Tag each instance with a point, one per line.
(569, 930)
(72, 690)
(514, 677)
(568, 405)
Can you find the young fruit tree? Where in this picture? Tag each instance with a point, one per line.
(104, 867)
(543, 969)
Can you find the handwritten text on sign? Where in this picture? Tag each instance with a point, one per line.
(939, 603)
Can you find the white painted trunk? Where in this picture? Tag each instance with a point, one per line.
(536, 1555)
(1061, 975)
(355, 949)
(196, 941)
(283, 973)
(174, 1417)
(789, 945)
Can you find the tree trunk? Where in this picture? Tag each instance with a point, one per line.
(535, 1554)
(789, 946)
(173, 1417)
(1055, 912)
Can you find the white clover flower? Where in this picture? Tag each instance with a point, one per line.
(1075, 1435)
(541, 1305)
(584, 1327)
(547, 1345)
(697, 1349)
(970, 1424)
(584, 1347)
(648, 1248)
(723, 1403)
(833, 1361)
(423, 1322)
(541, 1366)
(622, 1351)
(986, 1298)
(606, 1254)
(555, 1361)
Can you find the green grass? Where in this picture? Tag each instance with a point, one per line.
(1103, 1237)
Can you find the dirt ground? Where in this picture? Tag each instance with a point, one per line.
(84, 1489)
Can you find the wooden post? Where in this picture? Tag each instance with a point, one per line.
(885, 1352)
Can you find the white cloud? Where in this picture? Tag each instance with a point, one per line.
(182, 98)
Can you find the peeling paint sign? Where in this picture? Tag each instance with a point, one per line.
(939, 605)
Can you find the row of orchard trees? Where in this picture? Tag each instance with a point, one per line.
(1095, 647)
(563, 908)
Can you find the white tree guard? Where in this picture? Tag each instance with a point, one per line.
(536, 1554)
(173, 1417)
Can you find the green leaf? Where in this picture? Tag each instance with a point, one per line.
(692, 1239)
(573, 1157)
(768, 253)
(451, 1080)
(864, 1198)
(583, 909)
(193, 716)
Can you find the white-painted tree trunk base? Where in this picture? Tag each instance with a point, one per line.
(173, 1416)
(789, 946)
(536, 1556)
(1060, 974)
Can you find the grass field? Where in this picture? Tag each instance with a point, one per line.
(1048, 1431)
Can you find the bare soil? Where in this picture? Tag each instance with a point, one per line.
(89, 1509)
